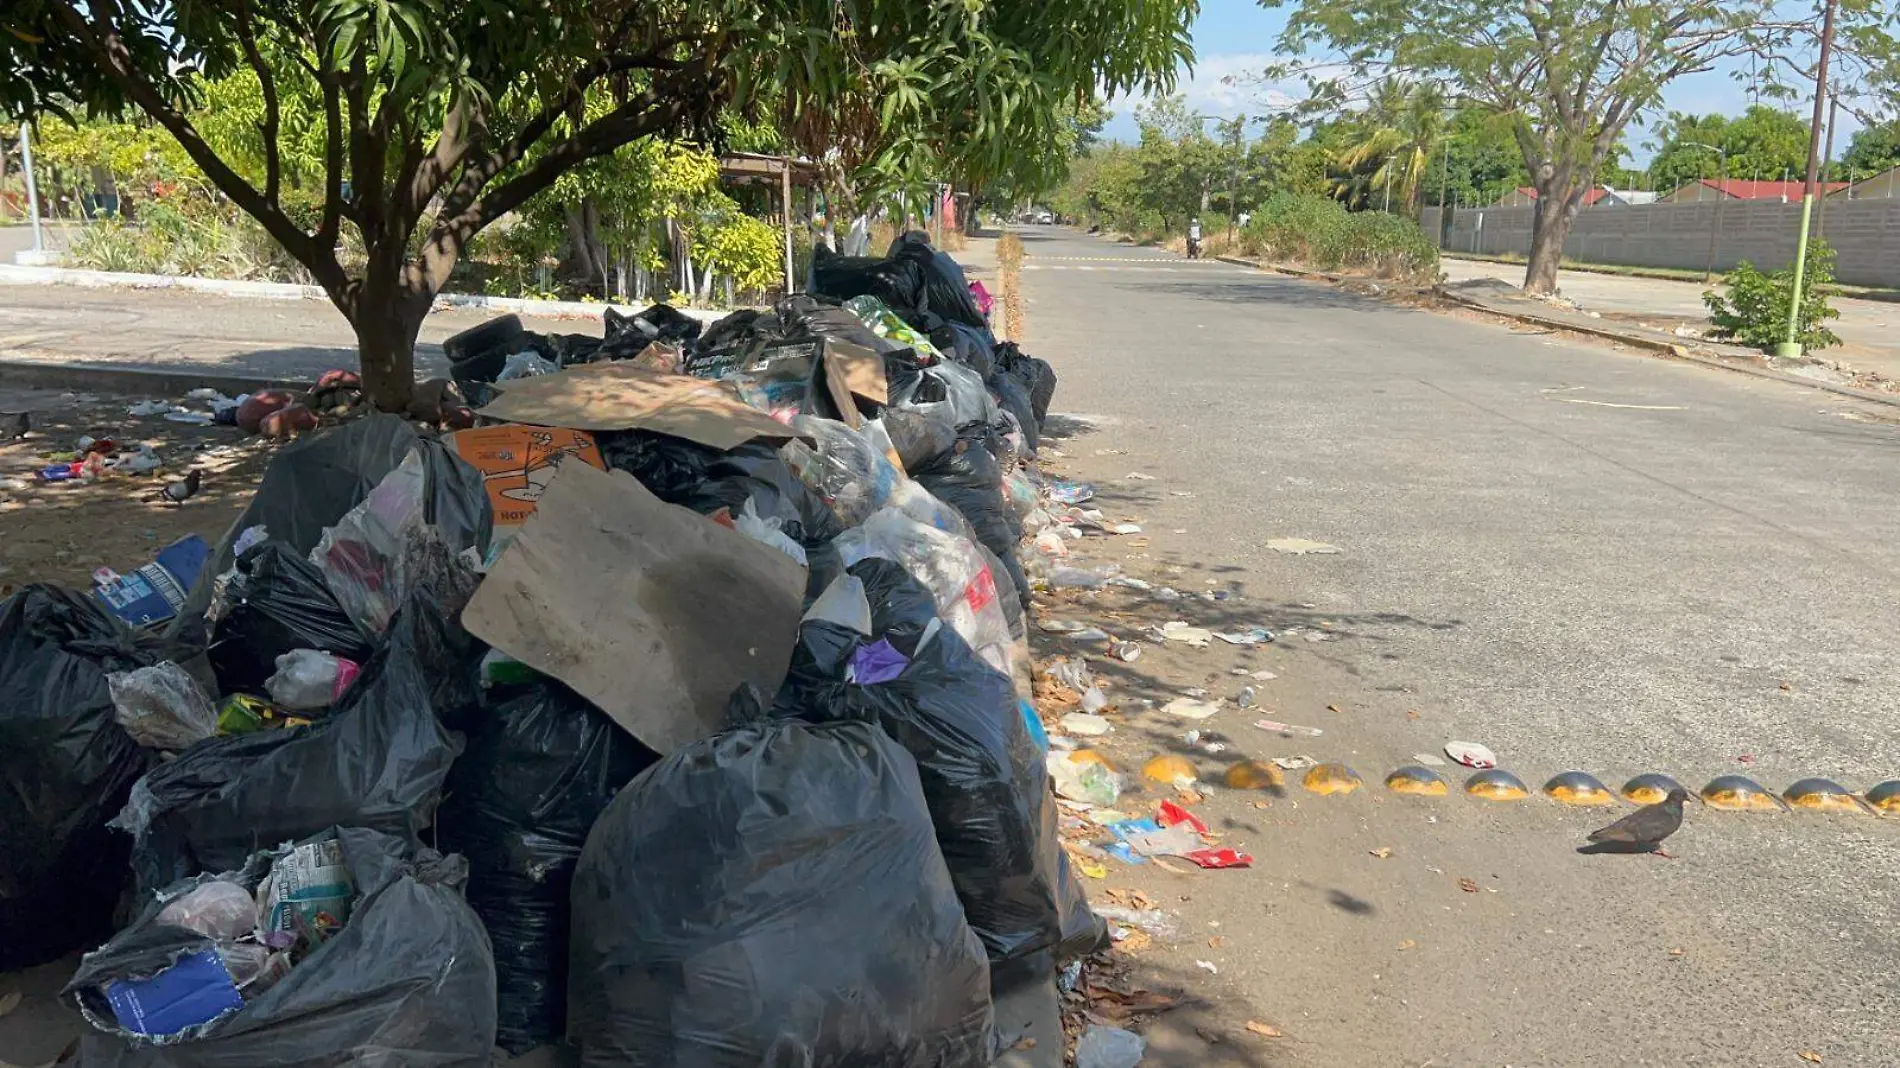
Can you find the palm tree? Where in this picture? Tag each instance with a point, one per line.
(1404, 123)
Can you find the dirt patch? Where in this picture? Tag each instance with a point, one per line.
(60, 532)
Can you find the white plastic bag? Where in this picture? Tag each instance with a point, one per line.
(308, 679)
(162, 706)
(361, 556)
(217, 909)
(953, 569)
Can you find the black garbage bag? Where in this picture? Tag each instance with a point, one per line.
(316, 480)
(377, 760)
(409, 979)
(661, 322)
(919, 434)
(983, 775)
(278, 602)
(540, 767)
(967, 345)
(900, 283)
(774, 895)
(65, 769)
(967, 477)
(1035, 374)
(704, 479)
(1013, 397)
(947, 289)
(804, 316)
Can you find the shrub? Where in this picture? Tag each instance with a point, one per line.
(1318, 232)
(1756, 309)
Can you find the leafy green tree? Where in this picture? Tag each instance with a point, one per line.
(1873, 149)
(439, 117)
(1570, 74)
(1403, 125)
(1480, 162)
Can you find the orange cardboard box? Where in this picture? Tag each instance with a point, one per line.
(517, 461)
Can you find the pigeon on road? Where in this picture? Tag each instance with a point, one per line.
(182, 490)
(1641, 831)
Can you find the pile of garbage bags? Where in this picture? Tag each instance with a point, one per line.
(670, 711)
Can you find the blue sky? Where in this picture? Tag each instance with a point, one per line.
(1236, 37)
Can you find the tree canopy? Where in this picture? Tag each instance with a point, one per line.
(431, 119)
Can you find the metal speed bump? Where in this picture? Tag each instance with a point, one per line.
(1578, 788)
(1168, 768)
(1496, 784)
(1417, 780)
(1739, 793)
(1332, 778)
(1649, 789)
(1885, 798)
(1823, 795)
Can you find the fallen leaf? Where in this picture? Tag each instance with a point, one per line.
(1810, 1056)
(1335, 708)
(1265, 1030)
(1027, 1043)
(1745, 758)
(1136, 940)
(1214, 942)
(1263, 804)
(9, 1001)
(1162, 863)
(1407, 944)
(1301, 547)
(1468, 886)
(1675, 952)
(1411, 713)
(1382, 852)
(1207, 1036)
(1788, 687)
(1192, 797)
(1140, 900)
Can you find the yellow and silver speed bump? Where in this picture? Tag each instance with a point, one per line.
(1823, 795)
(1418, 780)
(1496, 784)
(1253, 775)
(1169, 768)
(1649, 789)
(1579, 788)
(1739, 793)
(1885, 798)
(1331, 778)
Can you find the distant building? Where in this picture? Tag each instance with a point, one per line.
(1743, 189)
(1524, 196)
(1884, 184)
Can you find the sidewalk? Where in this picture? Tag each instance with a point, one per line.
(1866, 327)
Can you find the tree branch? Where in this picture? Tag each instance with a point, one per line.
(273, 158)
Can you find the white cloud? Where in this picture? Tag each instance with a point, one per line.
(1220, 86)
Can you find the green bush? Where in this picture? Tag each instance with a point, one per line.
(1318, 232)
(1756, 309)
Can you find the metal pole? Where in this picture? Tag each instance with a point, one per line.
(785, 194)
(1233, 178)
(1715, 231)
(32, 191)
(1388, 184)
(1790, 348)
(1827, 159)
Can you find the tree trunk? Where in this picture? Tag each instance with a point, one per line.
(1559, 198)
(386, 345)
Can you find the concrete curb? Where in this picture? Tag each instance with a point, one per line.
(14, 274)
(81, 377)
(1673, 350)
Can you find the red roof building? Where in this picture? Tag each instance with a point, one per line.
(1744, 189)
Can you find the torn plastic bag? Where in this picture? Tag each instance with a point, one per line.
(953, 568)
(963, 388)
(983, 775)
(162, 706)
(65, 768)
(774, 895)
(704, 479)
(378, 759)
(409, 979)
(853, 478)
(948, 290)
(275, 602)
(540, 767)
(367, 555)
(314, 481)
(919, 434)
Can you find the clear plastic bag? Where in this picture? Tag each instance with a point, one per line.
(843, 467)
(361, 556)
(218, 909)
(308, 679)
(968, 398)
(162, 706)
(525, 365)
(951, 566)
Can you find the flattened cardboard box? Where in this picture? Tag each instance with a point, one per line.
(622, 396)
(649, 610)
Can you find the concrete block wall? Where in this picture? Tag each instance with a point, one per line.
(1865, 235)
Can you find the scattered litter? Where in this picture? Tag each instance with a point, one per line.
(1264, 1030)
(1094, 700)
(1287, 728)
(1083, 780)
(1471, 755)
(1207, 966)
(1124, 528)
(1301, 547)
(1154, 921)
(1246, 697)
(1061, 626)
(1431, 760)
(1127, 652)
(1189, 708)
(1250, 636)
(1383, 852)
(1089, 726)
(1179, 631)
(1137, 476)
(1169, 768)
(1075, 578)
(190, 418)
(1263, 676)
(149, 408)
(1218, 858)
(1109, 1047)
(1071, 492)
(1195, 691)
(1469, 886)
(1130, 583)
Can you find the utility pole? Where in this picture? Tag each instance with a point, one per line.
(1827, 159)
(32, 191)
(1721, 194)
(1233, 177)
(1791, 348)
(1388, 183)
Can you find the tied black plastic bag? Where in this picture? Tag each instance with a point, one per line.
(378, 759)
(947, 288)
(1013, 397)
(65, 768)
(409, 979)
(774, 896)
(900, 284)
(315, 481)
(1035, 374)
(704, 479)
(968, 345)
(983, 775)
(541, 765)
(277, 602)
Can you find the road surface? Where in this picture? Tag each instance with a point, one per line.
(1580, 557)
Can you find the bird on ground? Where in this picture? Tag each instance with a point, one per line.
(22, 426)
(1642, 831)
(182, 490)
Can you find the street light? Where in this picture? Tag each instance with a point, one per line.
(1721, 190)
(1388, 183)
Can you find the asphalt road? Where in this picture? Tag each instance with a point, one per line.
(1581, 557)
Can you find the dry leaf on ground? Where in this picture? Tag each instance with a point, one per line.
(1383, 852)
(1810, 1056)
(1264, 1030)
(1468, 886)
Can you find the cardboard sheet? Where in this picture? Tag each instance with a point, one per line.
(623, 396)
(853, 370)
(649, 610)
